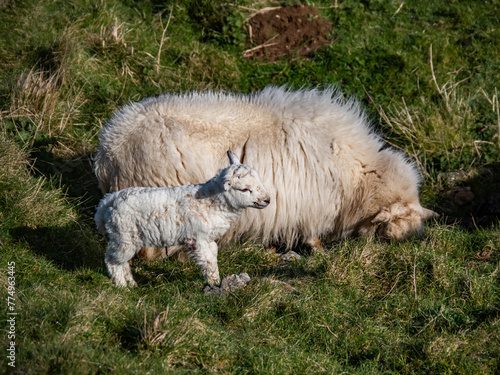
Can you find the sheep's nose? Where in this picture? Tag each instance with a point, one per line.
(267, 200)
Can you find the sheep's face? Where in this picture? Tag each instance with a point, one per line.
(244, 189)
(398, 221)
(242, 185)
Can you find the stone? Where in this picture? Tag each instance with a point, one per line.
(229, 284)
(291, 256)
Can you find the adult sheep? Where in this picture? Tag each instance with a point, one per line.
(327, 172)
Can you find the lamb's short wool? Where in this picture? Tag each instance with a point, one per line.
(193, 215)
(328, 173)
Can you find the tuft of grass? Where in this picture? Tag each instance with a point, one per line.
(25, 199)
(443, 135)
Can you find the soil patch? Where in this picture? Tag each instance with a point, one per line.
(277, 32)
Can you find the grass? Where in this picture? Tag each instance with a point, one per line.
(428, 76)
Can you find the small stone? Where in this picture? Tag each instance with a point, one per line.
(452, 178)
(291, 256)
(229, 284)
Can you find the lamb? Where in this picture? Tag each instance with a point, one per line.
(329, 174)
(194, 216)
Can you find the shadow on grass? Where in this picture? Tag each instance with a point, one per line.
(472, 202)
(75, 175)
(162, 271)
(292, 270)
(129, 337)
(72, 247)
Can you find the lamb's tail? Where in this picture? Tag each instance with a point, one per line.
(102, 213)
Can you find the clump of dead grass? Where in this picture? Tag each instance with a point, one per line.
(44, 104)
(441, 134)
(174, 334)
(26, 200)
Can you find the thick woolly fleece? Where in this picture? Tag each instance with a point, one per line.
(327, 172)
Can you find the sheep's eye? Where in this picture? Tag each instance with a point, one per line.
(246, 190)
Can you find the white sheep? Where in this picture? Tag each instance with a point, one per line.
(327, 172)
(194, 216)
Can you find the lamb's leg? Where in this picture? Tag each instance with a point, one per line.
(117, 262)
(213, 274)
(205, 255)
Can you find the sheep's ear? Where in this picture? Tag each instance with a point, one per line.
(429, 214)
(226, 185)
(382, 217)
(233, 159)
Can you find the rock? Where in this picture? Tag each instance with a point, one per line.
(229, 284)
(452, 178)
(291, 256)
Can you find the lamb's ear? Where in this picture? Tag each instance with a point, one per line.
(233, 159)
(226, 185)
(383, 216)
(428, 214)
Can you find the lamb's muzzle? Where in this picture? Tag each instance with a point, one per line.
(262, 203)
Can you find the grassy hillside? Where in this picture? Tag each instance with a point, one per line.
(427, 74)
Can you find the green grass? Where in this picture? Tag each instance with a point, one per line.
(428, 76)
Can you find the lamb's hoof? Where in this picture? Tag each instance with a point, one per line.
(125, 284)
(229, 284)
(132, 284)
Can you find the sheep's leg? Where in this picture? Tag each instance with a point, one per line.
(151, 252)
(178, 252)
(315, 244)
(117, 262)
(205, 255)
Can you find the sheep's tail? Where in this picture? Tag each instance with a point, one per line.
(102, 166)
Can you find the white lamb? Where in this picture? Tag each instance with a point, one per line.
(191, 215)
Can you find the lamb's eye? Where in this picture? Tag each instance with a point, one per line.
(246, 190)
